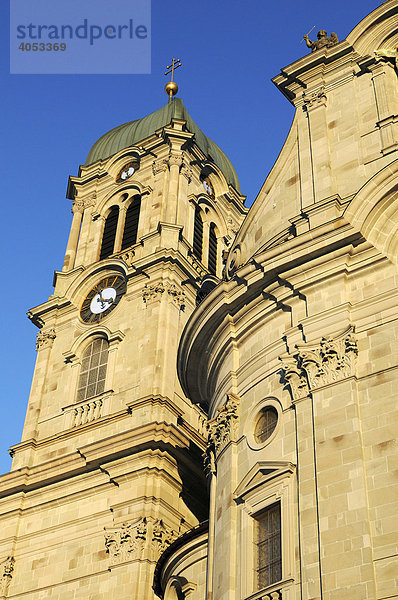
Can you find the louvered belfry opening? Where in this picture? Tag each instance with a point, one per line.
(198, 234)
(131, 223)
(108, 237)
(212, 265)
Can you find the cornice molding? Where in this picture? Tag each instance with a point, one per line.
(323, 244)
(88, 458)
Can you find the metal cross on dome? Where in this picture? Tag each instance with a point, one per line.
(171, 68)
(171, 88)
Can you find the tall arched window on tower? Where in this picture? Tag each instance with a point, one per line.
(212, 264)
(131, 223)
(108, 237)
(93, 369)
(198, 234)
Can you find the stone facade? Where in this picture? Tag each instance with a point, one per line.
(305, 328)
(101, 485)
(286, 377)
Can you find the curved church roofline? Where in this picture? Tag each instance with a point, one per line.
(248, 284)
(134, 132)
(266, 188)
(183, 539)
(374, 27)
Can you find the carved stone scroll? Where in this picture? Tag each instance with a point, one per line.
(45, 338)
(314, 366)
(127, 541)
(126, 255)
(153, 292)
(221, 430)
(6, 572)
(175, 159)
(177, 296)
(187, 172)
(144, 539)
(160, 166)
(80, 205)
(389, 54)
(318, 98)
(162, 537)
(295, 378)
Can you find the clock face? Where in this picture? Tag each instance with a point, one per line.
(102, 299)
(126, 172)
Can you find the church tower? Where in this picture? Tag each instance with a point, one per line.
(108, 472)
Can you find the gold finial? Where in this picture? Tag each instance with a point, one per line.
(171, 88)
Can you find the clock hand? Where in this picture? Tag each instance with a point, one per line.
(107, 300)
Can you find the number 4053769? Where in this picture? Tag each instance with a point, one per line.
(42, 47)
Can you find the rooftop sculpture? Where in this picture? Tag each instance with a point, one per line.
(322, 41)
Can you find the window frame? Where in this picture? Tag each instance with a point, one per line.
(135, 203)
(269, 401)
(267, 483)
(198, 216)
(73, 358)
(112, 209)
(260, 530)
(212, 268)
(81, 372)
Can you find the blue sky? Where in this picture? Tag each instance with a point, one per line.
(229, 50)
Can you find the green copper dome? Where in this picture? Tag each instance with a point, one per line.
(130, 134)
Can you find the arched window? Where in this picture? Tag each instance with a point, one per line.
(93, 370)
(212, 264)
(108, 237)
(131, 223)
(198, 234)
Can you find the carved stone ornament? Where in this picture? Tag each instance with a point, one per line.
(315, 99)
(161, 538)
(232, 231)
(127, 541)
(196, 264)
(294, 377)
(155, 292)
(187, 172)
(234, 261)
(127, 256)
(6, 571)
(144, 539)
(312, 367)
(221, 430)
(322, 41)
(80, 205)
(388, 54)
(175, 159)
(45, 338)
(159, 166)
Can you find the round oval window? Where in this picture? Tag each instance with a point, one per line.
(265, 424)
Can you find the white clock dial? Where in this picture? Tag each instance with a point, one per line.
(127, 172)
(103, 300)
